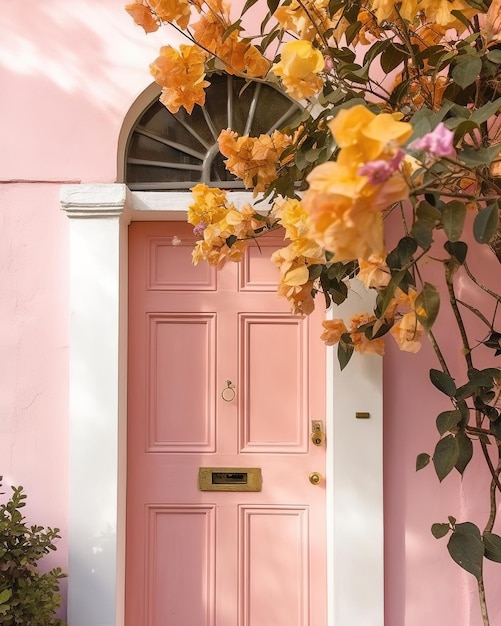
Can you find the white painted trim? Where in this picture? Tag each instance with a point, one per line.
(99, 216)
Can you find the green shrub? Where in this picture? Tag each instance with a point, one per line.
(27, 597)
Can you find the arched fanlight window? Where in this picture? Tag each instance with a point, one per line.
(174, 152)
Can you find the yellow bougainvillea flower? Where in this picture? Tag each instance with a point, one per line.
(142, 16)
(209, 206)
(299, 68)
(408, 333)
(291, 214)
(181, 74)
(346, 197)
(440, 12)
(298, 254)
(370, 134)
(385, 10)
(333, 330)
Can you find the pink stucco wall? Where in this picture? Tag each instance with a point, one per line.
(69, 73)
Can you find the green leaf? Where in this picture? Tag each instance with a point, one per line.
(487, 111)
(462, 18)
(423, 233)
(376, 49)
(457, 250)
(427, 305)
(422, 461)
(483, 378)
(248, 5)
(467, 550)
(473, 158)
(486, 223)
(314, 271)
(352, 31)
(494, 56)
(465, 452)
(467, 70)
(272, 5)
(5, 595)
(392, 57)
(492, 547)
(447, 421)
(453, 216)
(235, 26)
(439, 530)
(443, 382)
(344, 353)
(463, 128)
(445, 456)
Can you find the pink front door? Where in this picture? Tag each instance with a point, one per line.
(221, 376)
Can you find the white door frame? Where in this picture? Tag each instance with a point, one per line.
(99, 218)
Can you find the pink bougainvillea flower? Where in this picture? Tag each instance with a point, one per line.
(199, 229)
(380, 170)
(438, 142)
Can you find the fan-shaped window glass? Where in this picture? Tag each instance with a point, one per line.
(175, 152)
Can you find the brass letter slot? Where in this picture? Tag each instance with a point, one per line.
(229, 479)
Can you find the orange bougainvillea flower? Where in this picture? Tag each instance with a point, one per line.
(172, 11)
(253, 159)
(141, 14)
(293, 263)
(333, 330)
(307, 19)
(346, 197)
(181, 74)
(408, 333)
(433, 11)
(299, 297)
(348, 233)
(374, 273)
(491, 29)
(237, 55)
(360, 342)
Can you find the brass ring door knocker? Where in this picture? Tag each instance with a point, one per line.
(228, 393)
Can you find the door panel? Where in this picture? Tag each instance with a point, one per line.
(230, 558)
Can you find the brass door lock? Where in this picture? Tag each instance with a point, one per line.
(317, 432)
(315, 478)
